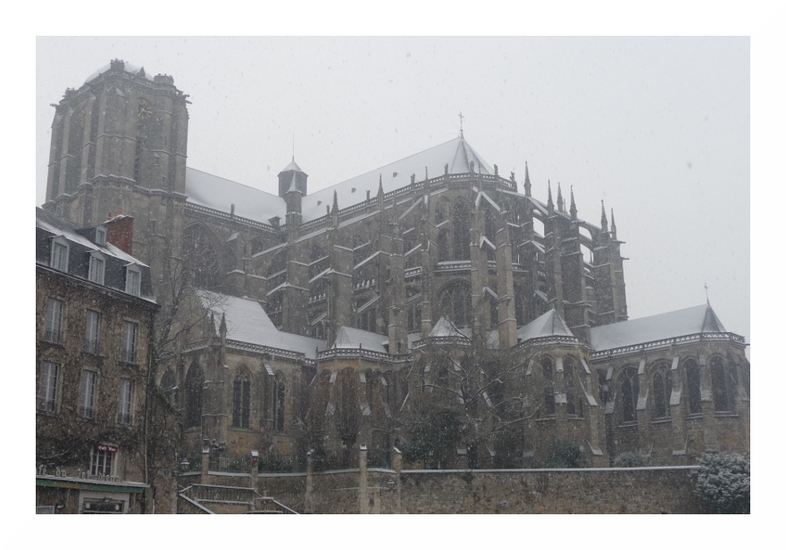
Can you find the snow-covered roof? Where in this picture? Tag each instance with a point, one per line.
(548, 324)
(456, 153)
(355, 338)
(220, 194)
(445, 328)
(59, 226)
(247, 322)
(693, 320)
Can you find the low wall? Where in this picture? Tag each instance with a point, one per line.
(585, 491)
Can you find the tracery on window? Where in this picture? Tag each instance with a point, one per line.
(241, 400)
(456, 303)
(194, 383)
(629, 388)
(661, 391)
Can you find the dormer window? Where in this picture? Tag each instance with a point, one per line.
(96, 271)
(59, 259)
(133, 279)
(101, 235)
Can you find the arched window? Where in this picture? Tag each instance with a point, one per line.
(548, 388)
(443, 254)
(241, 400)
(518, 300)
(722, 382)
(661, 391)
(194, 382)
(456, 303)
(279, 399)
(570, 388)
(694, 386)
(169, 386)
(461, 231)
(629, 386)
(200, 257)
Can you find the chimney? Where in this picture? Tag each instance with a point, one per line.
(120, 231)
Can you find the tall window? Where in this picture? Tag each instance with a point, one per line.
(47, 386)
(570, 392)
(125, 402)
(96, 273)
(87, 394)
(92, 331)
(461, 231)
(194, 382)
(279, 394)
(133, 280)
(443, 254)
(54, 321)
(130, 332)
(722, 394)
(629, 385)
(241, 402)
(102, 460)
(661, 391)
(59, 258)
(456, 303)
(694, 386)
(548, 387)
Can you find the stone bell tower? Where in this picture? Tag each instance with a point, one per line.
(119, 145)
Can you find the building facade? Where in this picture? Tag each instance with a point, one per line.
(94, 321)
(432, 286)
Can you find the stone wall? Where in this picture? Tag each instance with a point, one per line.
(599, 490)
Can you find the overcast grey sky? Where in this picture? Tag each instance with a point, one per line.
(658, 128)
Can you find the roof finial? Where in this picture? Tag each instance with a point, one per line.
(573, 210)
(461, 124)
(527, 184)
(707, 293)
(613, 225)
(550, 203)
(560, 201)
(604, 224)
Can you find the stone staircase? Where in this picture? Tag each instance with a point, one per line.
(218, 499)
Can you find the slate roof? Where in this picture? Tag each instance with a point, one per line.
(354, 338)
(247, 322)
(548, 324)
(250, 202)
(683, 322)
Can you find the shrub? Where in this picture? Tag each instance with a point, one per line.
(567, 454)
(631, 460)
(723, 483)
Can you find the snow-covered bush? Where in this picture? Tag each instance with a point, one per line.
(567, 454)
(723, 483)
(631, 460)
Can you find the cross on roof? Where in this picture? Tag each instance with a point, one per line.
(461, 124)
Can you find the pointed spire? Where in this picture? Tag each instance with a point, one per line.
(527, 184)
(380, 194)
(573, 210)
(604, 224)
(335, 201)
(613, 225)
(560, 201)
(550, 203)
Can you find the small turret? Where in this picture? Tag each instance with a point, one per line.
(292, 179)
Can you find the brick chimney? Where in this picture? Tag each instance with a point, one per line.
(120, 231)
